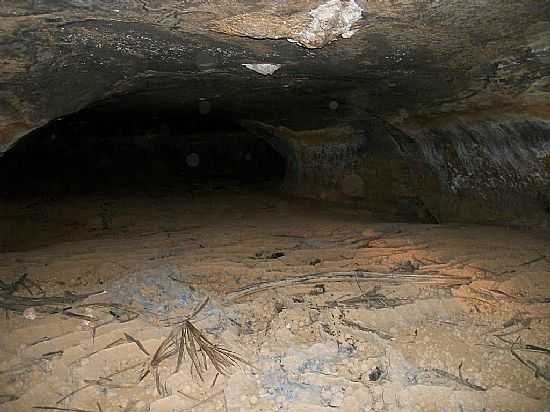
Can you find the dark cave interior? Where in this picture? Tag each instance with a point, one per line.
(105, 148)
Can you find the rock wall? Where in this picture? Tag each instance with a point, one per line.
(491, 171)
(484, 172)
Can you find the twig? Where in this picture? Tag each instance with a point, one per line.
(121, 313)
(467, 383)
(180, 319)
(359, 285)
(47, 304)
(525, 347)
(55, 408)
(88, 385)
(7, 398)
(137, 342)
(208, 399)
(117, 342)
(379, 333)
(537, 259)
(526, 362)
(372, 299)
(357, 275)
(531, 365)
(70, 314)
(199, 308)
(506, 331)
(215, 380)
(107, 383)
(440, 373)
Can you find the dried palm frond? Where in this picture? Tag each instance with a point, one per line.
(185, 340)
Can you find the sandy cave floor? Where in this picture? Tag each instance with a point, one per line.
(457, 318)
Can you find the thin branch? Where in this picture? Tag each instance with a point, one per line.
(55, 408)
(357, 275)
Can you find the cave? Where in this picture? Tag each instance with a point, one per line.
(108, 149)
(318, 205)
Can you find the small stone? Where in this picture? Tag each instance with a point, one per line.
(375, 374)
(29, 313)
(253, 400)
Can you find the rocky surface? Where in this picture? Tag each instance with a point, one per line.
(438, 331)
(396, 58)
(493, 171)
(464, 83)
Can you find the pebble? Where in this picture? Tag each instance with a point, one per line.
(29, 313)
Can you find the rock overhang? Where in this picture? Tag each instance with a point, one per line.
(398, 59)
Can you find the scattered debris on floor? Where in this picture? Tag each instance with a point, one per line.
(414, 319)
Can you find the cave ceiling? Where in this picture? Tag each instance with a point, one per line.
(282, 62)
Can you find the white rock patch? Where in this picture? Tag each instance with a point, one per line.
(329, 20)
(263, 68)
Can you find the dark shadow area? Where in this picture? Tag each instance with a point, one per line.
(102, 149)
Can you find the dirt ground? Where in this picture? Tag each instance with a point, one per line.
(323, 307)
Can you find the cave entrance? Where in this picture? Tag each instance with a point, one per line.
(109, 149)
